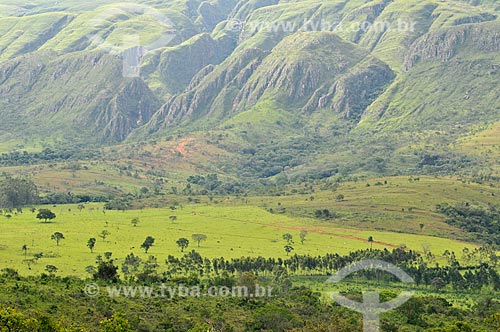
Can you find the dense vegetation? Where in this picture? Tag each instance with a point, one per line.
(40, 302)
(481, 223)
(17, 193)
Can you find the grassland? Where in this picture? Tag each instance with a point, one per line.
(233, 229)
(398, 204)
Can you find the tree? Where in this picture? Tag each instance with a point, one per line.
(57, 236)
(172, 218)
(288, 238)
(370, 239)
(91, 244)
(46, 215)
(81, 207)
(131, 264)
(438, 283)
(198, 238)
(340, 198)
(17, 192)
(303, 235)
(135, 222)
(106, 271)
(104, 234)
(421, 227)
(148, 243)
(117, 323)
(25, 249)
(183, 243)
(288, 249)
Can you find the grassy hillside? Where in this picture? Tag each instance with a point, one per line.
(234, 229)
(348, 87)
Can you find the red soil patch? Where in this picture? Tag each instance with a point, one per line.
(319, 231)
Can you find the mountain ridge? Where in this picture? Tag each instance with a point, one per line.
(385, 79)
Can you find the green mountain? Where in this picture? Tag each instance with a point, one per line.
(290, 89)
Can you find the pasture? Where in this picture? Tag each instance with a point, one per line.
(232, 231)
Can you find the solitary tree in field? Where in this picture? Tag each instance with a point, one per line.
(172, 218)
(135, 222)
(370, 239)
(81, 207)
(303, 235)
(91, 244)
(57, 236)
(422, 227)
(198, 238)
(148, 243)
(288, 249)
(104, 234)
(45, 215)
(340, 198)
(288, 238)
(183, 243)
(25, 249)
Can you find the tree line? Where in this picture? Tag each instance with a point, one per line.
(456, 276)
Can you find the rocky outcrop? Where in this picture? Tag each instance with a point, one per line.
(178, 65)
(444, 44)
(325, 72)
(353, 92)
(198, 100)
(131, 107)
(306, 71)
(84, 93)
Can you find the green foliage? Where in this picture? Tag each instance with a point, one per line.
(483, 224)
(148, 243)
(91, 244)
(57, 236)
(45, 215)
(117, 323)
(135, 222)
(17, 193)
(183, 243)
(199, 238)
(106, 271)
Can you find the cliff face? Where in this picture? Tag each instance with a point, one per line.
(209, 85)
(444, 44)
(75, 95)
(180, 64)
(366, 63)
(312, 71)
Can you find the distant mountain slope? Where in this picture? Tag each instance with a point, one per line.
(347, 86)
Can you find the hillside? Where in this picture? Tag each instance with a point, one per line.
(316, 89)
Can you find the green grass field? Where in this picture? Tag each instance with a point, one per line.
(397, 204)
(232, 231)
